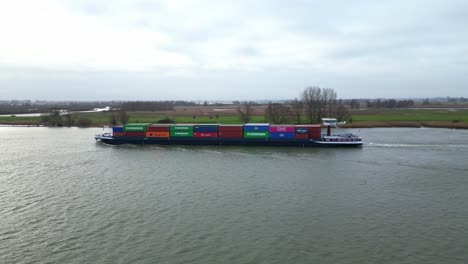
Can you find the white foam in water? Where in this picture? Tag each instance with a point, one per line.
(422, 146)
(158, 147)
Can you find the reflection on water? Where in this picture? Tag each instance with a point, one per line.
(68, 199)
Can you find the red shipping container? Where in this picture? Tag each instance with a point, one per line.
(118, 134)
(155, 128)
(205, 134)
(301, 136)
(315, 131)
(134, 134)
(230, 134)
(235, 128)
(282, 128)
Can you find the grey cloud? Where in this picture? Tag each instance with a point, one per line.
(423, 41)
(247, 51)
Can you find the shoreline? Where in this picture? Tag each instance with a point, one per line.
(366, 124)
(407, 124)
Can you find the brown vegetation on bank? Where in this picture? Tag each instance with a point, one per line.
(21, 123)
(436, 124)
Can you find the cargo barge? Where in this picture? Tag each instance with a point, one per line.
(250, 134)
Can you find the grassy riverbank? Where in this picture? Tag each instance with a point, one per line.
(360, 118)
(453, 118)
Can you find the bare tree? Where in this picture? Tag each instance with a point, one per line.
(53, 118)
(355, 104)
(277, 113)
(113, 120)
(68, 119)
(329, 101)
(319, 103)
(342, 113)
(297, 109)
(245, 112)
(123, 117)
(311, 97)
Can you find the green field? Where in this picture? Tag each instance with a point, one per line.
(102, 118)
(358, 117)
(137, 117)
(411, 115)
(22, 118)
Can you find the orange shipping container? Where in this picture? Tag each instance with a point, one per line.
(157, 134)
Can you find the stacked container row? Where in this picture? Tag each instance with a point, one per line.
(181, 131)
(256, 131)
(308, 131)
(205, 131)
(158, 131)
(282, 131)
(248, 131)
(130, 130)
(136, 127)
(231, 131)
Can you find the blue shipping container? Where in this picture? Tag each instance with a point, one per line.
(205, 129)
(281, 135)
(259, 128)
(118, 129)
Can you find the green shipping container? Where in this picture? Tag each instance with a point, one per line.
(181, 128)
(260, 134)
(135, 127)
(181, 133)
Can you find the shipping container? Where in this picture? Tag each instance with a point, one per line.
(135, 127)
(157, 134)
(314, 131)
(302, 130)
(251, 127)
(205, 134)
(176, 133)
(134, 134)
(158, 128)
(205, 128)
(282, 128)
(181, 128)
(117, 129)
(281, 135)
(252, 134)
(118, 134)
(231, 128)
(301, 136)
(230, 134)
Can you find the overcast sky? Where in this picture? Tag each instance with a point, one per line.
(226, 50)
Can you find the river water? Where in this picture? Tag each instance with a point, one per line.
(402, 198)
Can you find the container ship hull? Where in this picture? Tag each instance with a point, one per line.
(225, 135)
(225, 142)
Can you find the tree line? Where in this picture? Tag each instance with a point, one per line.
(26, 106)
(314, 103)
(58, 117)
(147, 106)
(389, 103)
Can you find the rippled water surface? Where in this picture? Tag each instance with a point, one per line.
(403, 198)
